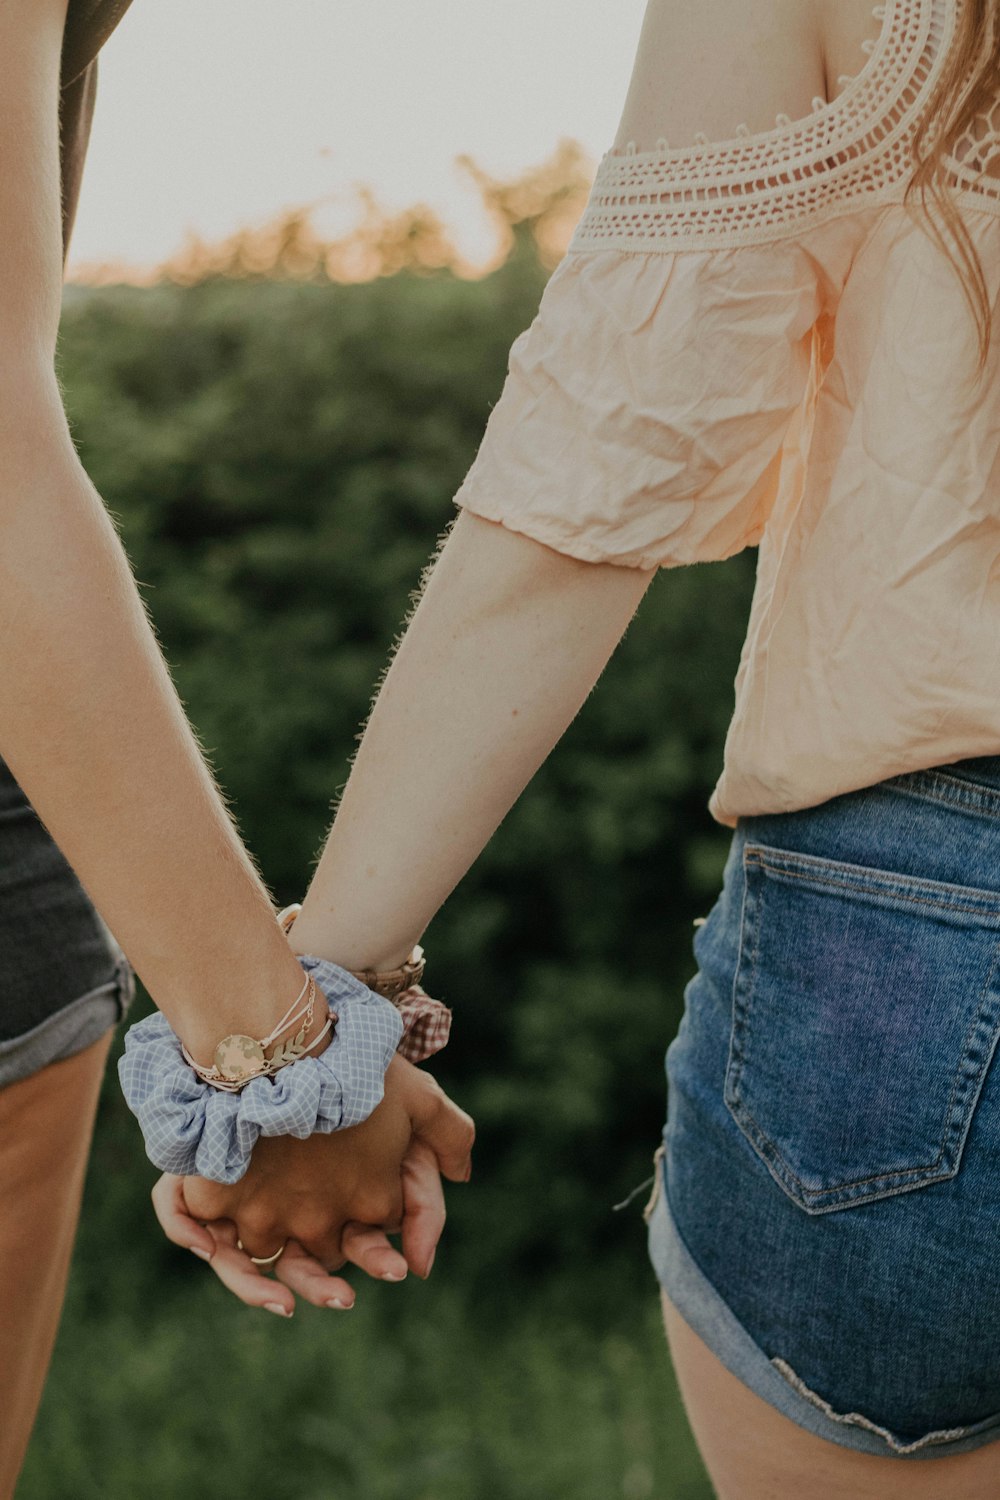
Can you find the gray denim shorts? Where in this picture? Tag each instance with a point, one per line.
(827, 1214)
(64, 980)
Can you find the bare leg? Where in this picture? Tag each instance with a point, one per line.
(752, 1452)
(46, 1123)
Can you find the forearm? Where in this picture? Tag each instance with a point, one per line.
(503, 649)
(92, 728)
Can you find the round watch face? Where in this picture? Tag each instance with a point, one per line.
(239, 1057)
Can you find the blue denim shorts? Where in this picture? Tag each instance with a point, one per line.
(826, 1213)
(64, 980)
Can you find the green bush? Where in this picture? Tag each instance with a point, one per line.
(282, 458)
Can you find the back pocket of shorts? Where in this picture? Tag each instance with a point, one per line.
(865, 1014)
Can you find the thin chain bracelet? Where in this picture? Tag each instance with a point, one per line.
(239, 1058)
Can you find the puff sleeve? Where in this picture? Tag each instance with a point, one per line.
(644, 410)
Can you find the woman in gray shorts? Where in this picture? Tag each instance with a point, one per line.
(124, 817)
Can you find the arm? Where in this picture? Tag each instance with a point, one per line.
(506, 643)
(91, 724)
(502, 651)
(649, 415)
(94, 731)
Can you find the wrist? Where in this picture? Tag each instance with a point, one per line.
(194, 1128)
(250, 999)
(313, 932)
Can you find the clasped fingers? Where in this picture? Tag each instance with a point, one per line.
(228, 1247)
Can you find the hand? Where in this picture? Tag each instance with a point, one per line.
(333, 1198)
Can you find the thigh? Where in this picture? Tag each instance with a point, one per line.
(64, 983)
(753, 1452)
(46, 1123)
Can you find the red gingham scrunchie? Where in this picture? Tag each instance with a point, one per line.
(426, 1024)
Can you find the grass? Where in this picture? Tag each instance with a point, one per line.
(550, 1382)
(413, 1395)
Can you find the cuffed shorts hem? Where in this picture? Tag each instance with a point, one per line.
(69, 1030)
(704, 1310)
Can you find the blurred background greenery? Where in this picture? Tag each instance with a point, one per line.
(280, 450)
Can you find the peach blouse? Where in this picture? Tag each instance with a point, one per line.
(754, 342)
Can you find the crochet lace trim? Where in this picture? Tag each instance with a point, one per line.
(850, 150)
(974, 159)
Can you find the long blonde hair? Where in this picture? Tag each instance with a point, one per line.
(965, 90)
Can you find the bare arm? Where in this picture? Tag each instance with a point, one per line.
(90, 722)
(506, 643)
(93, 729)
(511, 636)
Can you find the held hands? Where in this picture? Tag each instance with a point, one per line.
(334, 1198)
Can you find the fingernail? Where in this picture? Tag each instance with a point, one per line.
(468, 1173)
(430, 1263)
(336, 1302)
(393, 1276)
(197, 1250)
(276, 1307)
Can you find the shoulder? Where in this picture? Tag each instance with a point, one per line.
(737, 130)
(845, 28)
(712, 67)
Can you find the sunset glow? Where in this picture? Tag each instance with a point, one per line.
(215, 115)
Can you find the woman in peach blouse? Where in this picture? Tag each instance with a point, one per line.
(760, 337)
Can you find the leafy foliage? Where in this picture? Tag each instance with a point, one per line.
(281, 458)
(202, 1397)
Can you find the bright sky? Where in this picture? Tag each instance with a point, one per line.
(214, 114)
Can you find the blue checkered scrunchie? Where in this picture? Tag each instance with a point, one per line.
(194, 1129)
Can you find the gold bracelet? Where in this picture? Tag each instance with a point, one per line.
(386, 982)
(239, 1058)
